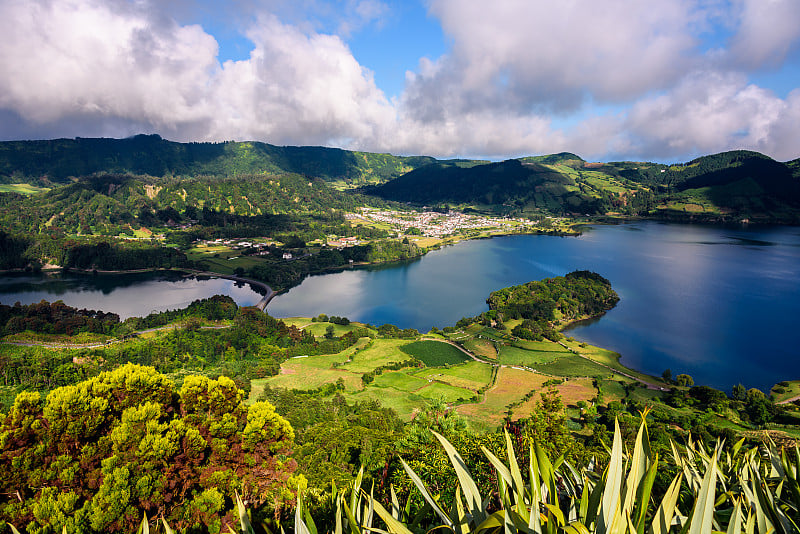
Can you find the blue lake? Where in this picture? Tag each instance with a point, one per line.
(717, 303)
(720, 304)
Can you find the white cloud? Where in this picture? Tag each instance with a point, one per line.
(768, 32)
(80, 58)
(524, 55)
(121, 66)
(298, 88)
(707, 113)
(517, 72)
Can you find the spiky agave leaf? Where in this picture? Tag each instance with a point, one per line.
(471, 493)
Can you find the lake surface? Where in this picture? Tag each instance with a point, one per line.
(717, 303)
(128, 295)
(720, 304)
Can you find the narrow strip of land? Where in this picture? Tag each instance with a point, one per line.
(269, 293)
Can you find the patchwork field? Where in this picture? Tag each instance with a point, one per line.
(449, 375)
(482, 348)
(511, 387)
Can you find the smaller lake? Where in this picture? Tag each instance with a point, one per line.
(127, 295)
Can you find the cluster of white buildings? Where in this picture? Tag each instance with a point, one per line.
(434, 224)
(235, 243)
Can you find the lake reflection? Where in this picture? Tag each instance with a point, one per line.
(128, 295)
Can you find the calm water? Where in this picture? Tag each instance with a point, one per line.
(721, 304)
(128, 295)
(718, 303)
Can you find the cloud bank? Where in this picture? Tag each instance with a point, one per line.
(617, 79)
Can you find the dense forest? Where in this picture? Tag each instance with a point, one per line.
(118, 204)
(543, 305)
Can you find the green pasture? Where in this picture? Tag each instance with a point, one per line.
(435, 353)
(319, 329)
(222, 259)
(516, 356)
(572, 365)
(611, 359)
(305, 378)
(602, 181)
(445, 392)
(381, 352)
(403, 402)
(470, 375)
(541, 346)
(321, 361)
(481, 347)
(22, 189)
(299, 322)
(398, 380)
(613, 390)
(792, 389)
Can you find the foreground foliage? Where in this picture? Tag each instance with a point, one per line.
(92, 457)
(722, 489)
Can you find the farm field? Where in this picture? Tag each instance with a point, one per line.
(571, 391)
(530, 358)
(572, 365)
(511, 387)
(482, 348)
(449, 375)
(470, 375)
(403, 402)
(435, 353)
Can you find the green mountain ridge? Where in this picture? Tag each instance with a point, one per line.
(732, 185)
(736, 184)
(57, 160)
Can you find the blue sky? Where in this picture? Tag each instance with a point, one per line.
(618, 79)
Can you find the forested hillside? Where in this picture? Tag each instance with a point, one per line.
(516, 185)
(111, 204)
(729, 186)
(59, 159)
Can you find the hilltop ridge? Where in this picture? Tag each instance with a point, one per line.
(729, 186)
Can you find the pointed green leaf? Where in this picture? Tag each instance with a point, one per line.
(666, 510)
(611, 494)
(703, 513)
(394, 526)
(471, 493)
(426, 495)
